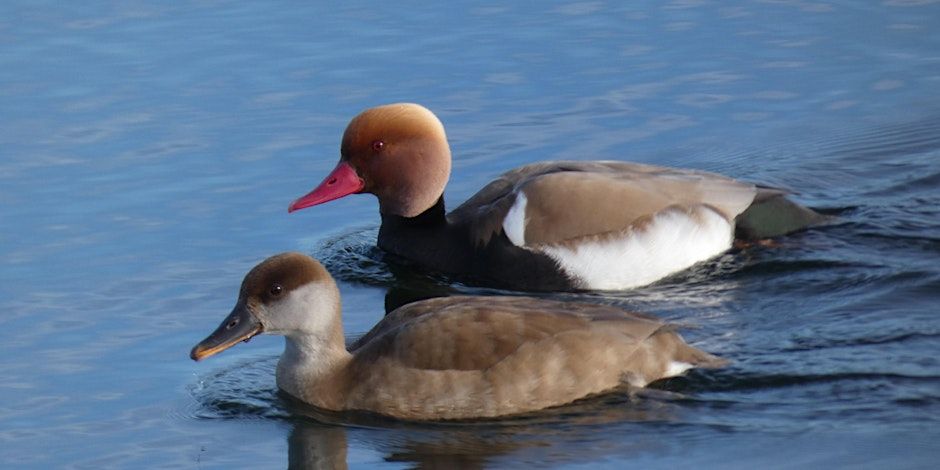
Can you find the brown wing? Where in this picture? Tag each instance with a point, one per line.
(569, 200)
(475, 333)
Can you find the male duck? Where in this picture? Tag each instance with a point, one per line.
(446, 358)
(565, 225)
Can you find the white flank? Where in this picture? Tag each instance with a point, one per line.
(677, 368)
(514, 223)
(674, 240)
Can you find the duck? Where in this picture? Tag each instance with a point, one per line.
(548, 226)
(448, 358)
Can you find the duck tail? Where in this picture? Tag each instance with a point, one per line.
(772, 214)
(698, 358)
(684, 354)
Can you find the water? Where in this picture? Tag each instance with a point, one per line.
(148, 153)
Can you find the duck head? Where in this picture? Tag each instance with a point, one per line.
(289, 294)
(398, 152)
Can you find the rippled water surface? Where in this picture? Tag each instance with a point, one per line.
(148, 152)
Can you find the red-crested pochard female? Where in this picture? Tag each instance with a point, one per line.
(449, 357)
(564, 225)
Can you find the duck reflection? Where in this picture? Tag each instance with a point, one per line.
(410, 285)
(319, 439)
(316, 446)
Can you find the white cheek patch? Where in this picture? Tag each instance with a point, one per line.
(514, 223)
(674, 240)
(308, 309)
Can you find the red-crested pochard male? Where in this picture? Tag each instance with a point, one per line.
(449, 357)
(563, 225)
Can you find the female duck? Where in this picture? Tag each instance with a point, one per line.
(446, 358)
(547, 226)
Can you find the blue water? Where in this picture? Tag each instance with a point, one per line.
(148, 153)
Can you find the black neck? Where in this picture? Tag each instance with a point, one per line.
(432, 217)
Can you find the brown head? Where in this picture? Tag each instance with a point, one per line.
(287, 294)
(398, 152)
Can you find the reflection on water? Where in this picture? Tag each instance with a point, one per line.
(313, 445)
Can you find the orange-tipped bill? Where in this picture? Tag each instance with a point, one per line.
(240, 325)
(342, 181)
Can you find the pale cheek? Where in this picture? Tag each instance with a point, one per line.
(308, 309)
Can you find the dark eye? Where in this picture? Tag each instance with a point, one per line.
(378, 145)
(276, 289)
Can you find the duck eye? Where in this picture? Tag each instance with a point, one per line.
(276, 289)
(378, 145)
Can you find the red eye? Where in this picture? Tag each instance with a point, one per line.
(378, 145)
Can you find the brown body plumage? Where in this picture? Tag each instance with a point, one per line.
(447, 358)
